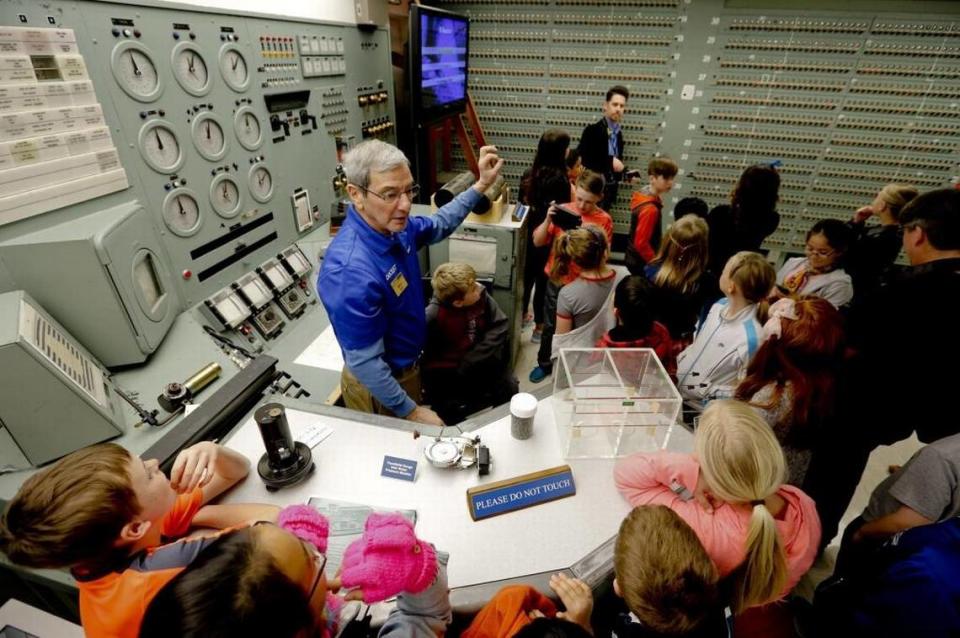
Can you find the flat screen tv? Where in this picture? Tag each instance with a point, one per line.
(438, 62)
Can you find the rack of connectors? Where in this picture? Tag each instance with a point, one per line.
(379, 127)
(924, 109)
(638, 4)
(912, 145)
(928, 70)
(790, 169)
(903, 160)
(753, 117)
(623, 39)
(793, 66)
(882, 177)
(911, 50)
(799, 25)
(758, 150)
(920, 89)
(794, 45)
(590, 109)
(773, 83)
(766, 134)
(900, 127)
(825, 103)
(510, 36)
(922, 29)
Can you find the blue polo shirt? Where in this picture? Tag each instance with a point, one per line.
(370, 286)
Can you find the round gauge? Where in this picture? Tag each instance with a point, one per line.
(247, 127)
(260, 182)
(181, 212)
(225, 196)
(160, 147)
(443, 453)
(208, 137)
(190, 69)
(135, 72)
(233, 67)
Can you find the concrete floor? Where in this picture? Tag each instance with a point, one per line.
(875, 472)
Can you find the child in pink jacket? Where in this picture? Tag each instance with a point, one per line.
(731, 490)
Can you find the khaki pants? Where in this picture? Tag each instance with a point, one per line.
(357, 397)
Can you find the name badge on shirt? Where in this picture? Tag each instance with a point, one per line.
(399, 284)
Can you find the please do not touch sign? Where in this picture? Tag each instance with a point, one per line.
(520, 492)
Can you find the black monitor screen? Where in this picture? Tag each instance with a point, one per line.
(443, 60)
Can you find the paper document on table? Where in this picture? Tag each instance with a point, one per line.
(346, 525)
(323, 353)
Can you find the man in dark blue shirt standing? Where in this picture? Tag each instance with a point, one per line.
(370, 279)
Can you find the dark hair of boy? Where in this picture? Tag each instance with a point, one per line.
(552, 628)
(572, 156)
(662, 167)
(691, 206)
(618, 89)
(591, 182)
(938, 213)
(632, 302)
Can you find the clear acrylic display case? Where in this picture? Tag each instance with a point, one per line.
(611, 402)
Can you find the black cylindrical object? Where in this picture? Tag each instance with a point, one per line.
(454, 187)
(272, 421)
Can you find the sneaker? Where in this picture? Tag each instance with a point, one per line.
(539, 373)
(535, 337)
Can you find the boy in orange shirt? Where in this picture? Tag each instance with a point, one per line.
(589, 192)
(645, 207)
(107, 515)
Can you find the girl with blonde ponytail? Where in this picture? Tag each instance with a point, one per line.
(731, 493)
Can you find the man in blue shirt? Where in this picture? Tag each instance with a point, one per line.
(370, 279)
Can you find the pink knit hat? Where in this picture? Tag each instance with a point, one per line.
(305, 523)
(388, 559)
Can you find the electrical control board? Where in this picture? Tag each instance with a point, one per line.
(221, 130)
(848, 100)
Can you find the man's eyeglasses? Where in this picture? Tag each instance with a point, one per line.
(391, 196)
(819, 253)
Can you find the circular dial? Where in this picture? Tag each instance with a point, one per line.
(225, 196)
(260, 183)
(208, 137)
(233, 67)
(181, 212)
(160, 147)
(190, 69)
(247, 128)
(135, 72)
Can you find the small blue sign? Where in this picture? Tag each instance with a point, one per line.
(395, 467)
(520, 492)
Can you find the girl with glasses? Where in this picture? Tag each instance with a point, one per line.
(821, 272)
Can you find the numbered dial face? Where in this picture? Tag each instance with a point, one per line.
(233, 67)
(261, 183)
(160, 147)
(208, 137)
(247, 127)
(190, 69)
(181, 212)
(225, 196)
(135, 71)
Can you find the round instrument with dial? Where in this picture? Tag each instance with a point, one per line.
(190, 69)
(225, 196)
(233, 68)
(208, 137)
(160, 147)
(135, 71)
(260, 182)
(181, 212)
(246, 125)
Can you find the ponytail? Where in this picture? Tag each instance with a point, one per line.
(763, 575)
(755, 278)
(562, 258)
(742, 462)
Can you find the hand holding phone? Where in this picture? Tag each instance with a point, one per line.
(565, 218)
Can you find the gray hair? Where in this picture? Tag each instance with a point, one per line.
(371, 156)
